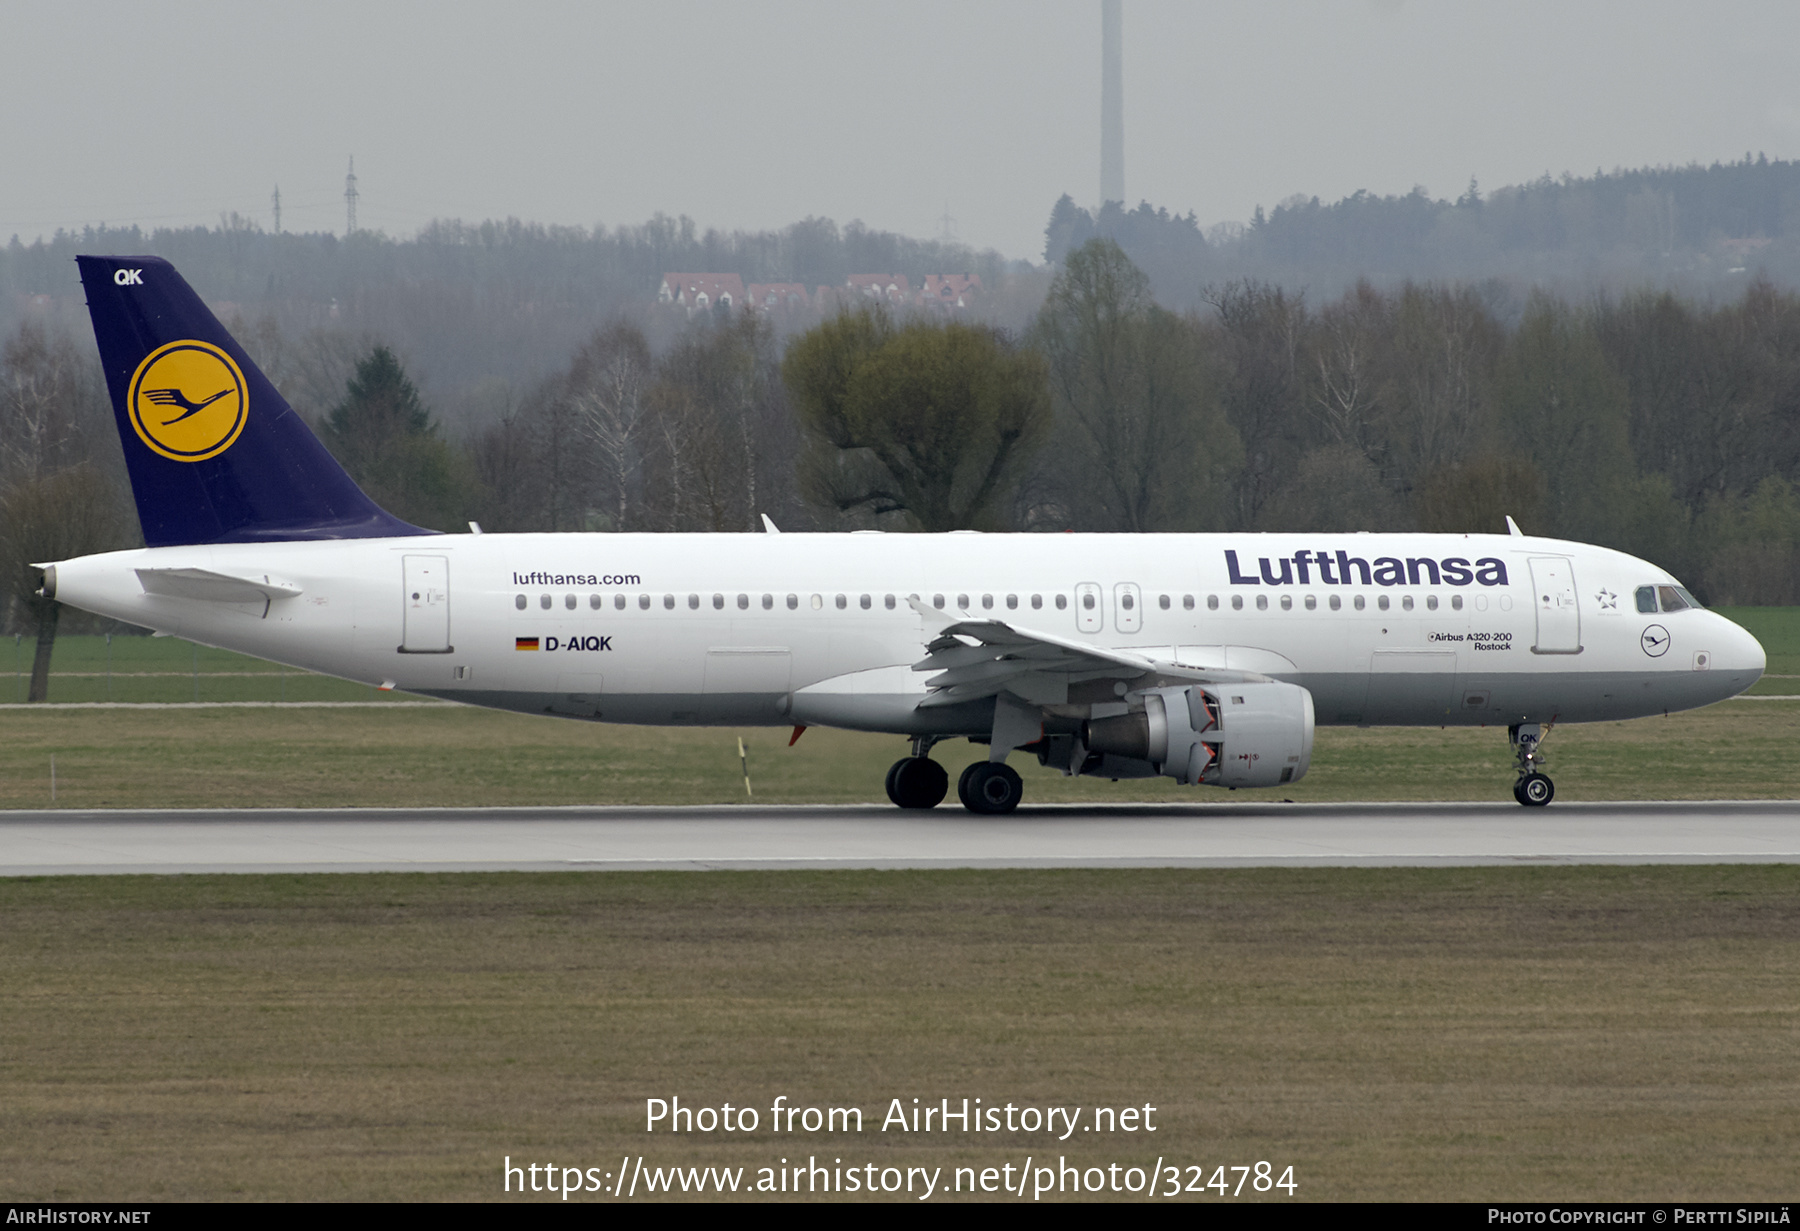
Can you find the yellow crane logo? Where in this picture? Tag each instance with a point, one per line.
(188, 401)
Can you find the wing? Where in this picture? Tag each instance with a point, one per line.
(168, 397)
(982, 658)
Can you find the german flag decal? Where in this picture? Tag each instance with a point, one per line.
(525, 643)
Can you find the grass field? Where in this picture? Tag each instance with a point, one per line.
(1514, 1033)
(1549, 1033)
(455, 756)
(165, 669)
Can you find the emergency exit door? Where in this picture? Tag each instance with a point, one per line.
(427, 605)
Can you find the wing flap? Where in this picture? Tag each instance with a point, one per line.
(983, 658)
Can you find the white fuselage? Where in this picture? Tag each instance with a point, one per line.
(1399, 629)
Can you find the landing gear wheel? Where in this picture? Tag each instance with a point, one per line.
(894, 772)
(990, 789)
(917, 782)
(1534, 790)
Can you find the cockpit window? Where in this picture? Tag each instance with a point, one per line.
(1669, 598)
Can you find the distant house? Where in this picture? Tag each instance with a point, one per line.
(778, 297)
(702, 292)
(949, 290)
(890, 288)
(706, 292)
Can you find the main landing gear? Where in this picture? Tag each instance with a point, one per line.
(990, 787)
(1533, 789)
(987, 787)
(918, 781)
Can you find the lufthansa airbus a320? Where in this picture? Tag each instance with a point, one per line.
(1207, 658)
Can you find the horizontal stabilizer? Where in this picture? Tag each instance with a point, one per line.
(211, 587)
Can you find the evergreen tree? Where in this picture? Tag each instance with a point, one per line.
(384, 436)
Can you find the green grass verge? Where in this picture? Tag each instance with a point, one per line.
(1449, 1034)
(455, 756)
(166, 669)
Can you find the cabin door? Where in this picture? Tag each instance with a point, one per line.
(427, 605)
(1553, 593)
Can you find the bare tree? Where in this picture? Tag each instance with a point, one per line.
(57, 496)
(47, 403)
(1263, 330)
(1446, 345)
(1142, 440)
(71, 512)
(1349, 338)
(606, 387)
(724, 436)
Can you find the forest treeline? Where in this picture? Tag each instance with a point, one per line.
(480, 312)
(1698, 230)
(478, 309)
(1666, 428)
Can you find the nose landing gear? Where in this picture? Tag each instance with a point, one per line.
(1533, 789)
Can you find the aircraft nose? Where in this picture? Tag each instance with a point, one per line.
(1737, 653)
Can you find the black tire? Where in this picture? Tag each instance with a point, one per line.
(919, 782)
(990, 789)
(962, 783)
(1518, 795)
(1535, 790)
(893, 773)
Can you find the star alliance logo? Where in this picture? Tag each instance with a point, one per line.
(1608, 600)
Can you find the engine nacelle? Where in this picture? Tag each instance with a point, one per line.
(1222, 735)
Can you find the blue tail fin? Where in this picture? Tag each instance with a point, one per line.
(215, 454)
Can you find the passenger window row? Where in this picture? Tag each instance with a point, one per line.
(1335, 602)
(1671, 596)
(841, 602)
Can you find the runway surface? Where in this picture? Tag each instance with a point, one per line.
(1141, 836)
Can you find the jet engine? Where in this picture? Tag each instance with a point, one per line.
(1221, 735)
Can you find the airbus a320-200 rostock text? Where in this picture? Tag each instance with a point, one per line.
(1201, 657)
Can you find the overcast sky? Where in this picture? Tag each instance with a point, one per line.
(750, 115)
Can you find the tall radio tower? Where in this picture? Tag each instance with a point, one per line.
(1112, 103)
(276, 198)
(350, 197)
